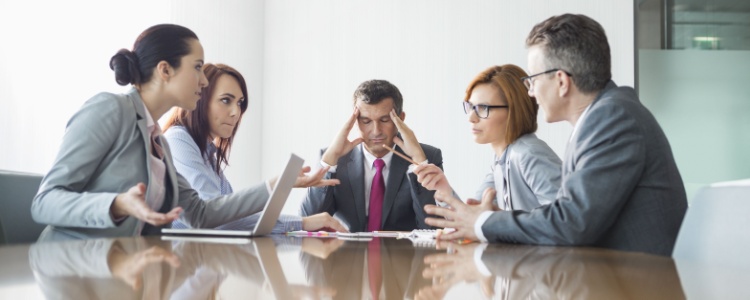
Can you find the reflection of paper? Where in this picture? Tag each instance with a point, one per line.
(216, 240)
(424, 234)
(388, 233)
(206, 232)
(421, 238)
(355, 234)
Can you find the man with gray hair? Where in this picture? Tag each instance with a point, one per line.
(620, 185)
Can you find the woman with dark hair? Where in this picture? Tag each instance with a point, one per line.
(114, 175)
(525, 172)
(200, 140)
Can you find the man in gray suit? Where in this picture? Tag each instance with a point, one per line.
(401, 207)
(620, 185)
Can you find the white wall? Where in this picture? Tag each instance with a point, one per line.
(52, 62)
(317, 52)
(302, 61)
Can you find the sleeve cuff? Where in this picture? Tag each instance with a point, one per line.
(481, 267)
(286, 223)
(478, 225)
(115, 221)
(331, 169)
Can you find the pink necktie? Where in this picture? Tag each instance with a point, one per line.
(373, 267)
(377, 191)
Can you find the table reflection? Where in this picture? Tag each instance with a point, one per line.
(140, 268)
(379, 268)
(533, 272)
(382, 268)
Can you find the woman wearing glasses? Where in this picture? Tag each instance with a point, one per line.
(525, 172)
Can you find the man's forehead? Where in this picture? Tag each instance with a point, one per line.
(379, 110)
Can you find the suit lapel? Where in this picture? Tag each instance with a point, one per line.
(142, 124)
(393, 183)
(140, 110)
(171, 193)
(356, 175)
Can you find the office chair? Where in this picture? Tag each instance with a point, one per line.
(17, 190)
(716, 228)
(711, 252)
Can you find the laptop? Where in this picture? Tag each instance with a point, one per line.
(270, 213)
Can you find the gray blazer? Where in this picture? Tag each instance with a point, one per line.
(532, 170)
(80, 269)
(620, 185)
(104, 152)
(532, 272)
(403, 204)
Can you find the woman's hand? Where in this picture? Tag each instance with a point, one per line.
(341, 145)
(432, 178)
(315, 179)
(133, 203)
(130, 268)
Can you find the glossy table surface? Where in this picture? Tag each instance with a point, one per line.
(328, 268)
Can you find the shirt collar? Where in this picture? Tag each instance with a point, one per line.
(580, 120)
(610, 85)
(499, 161)
(211, 148)
(152, 126)
(370, 159)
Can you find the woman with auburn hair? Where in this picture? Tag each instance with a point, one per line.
(525, 172)
(201, 139)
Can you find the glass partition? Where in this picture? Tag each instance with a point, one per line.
(692, 63)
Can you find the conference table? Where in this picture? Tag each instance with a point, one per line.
(284, 267)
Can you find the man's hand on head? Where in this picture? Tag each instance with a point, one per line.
(341, 145)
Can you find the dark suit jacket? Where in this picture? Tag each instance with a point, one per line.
(403, 204)
(620, 185)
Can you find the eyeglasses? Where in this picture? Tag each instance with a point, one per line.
(529, 82)
(482, 110)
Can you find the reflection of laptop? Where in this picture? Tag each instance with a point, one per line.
(269, 261)
(270, 213)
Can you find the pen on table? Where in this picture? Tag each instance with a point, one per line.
(402, 156)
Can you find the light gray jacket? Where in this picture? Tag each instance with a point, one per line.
(620, 185)
(105, 152)
(533, 173)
